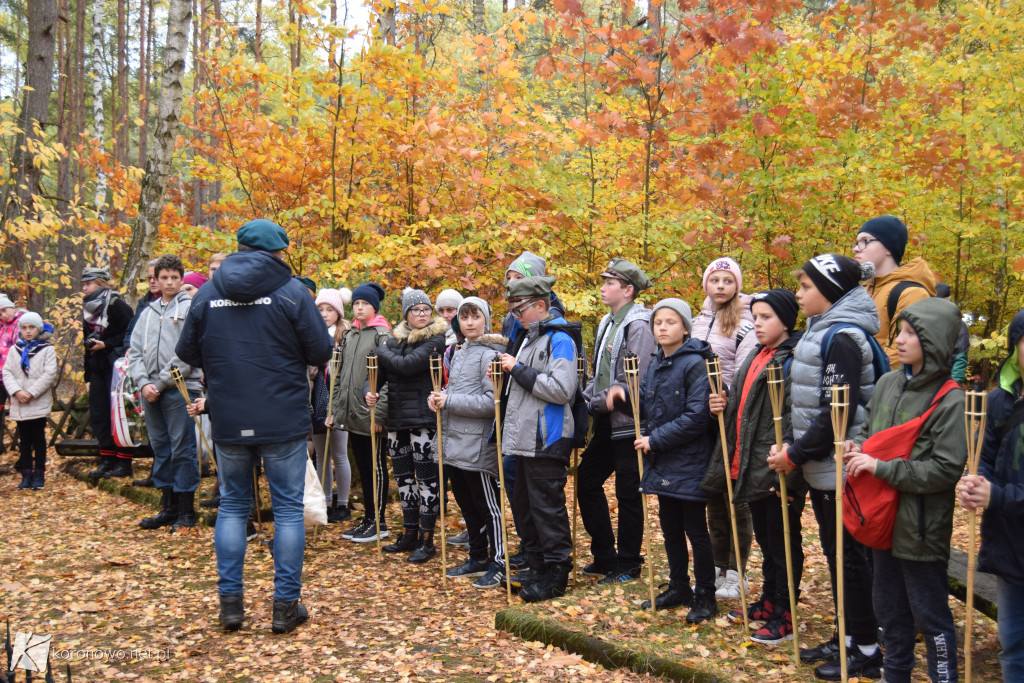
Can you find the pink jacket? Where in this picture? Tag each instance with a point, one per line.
(9, 336)
(731, 353)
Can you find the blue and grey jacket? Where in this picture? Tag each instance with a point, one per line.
(538, 421)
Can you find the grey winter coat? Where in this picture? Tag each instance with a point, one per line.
(807, 371)
(349, 408)
(538, 421)
(152, 352)
(634, 334)
(468, 415)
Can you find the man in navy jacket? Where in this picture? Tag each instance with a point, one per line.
(253, 330)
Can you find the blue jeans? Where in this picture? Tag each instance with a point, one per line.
(1010, 599)
(172, 437)
(285, 466)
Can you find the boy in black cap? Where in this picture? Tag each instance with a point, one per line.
(881, 241)
(538, 430)
(749, 437)
(835, 349)
(625, 328)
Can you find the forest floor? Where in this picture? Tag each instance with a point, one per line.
(125, 604)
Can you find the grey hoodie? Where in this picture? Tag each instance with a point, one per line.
(151, 354)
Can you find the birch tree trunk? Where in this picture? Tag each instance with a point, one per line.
(97, 98)
(479, 25)
(158, 165)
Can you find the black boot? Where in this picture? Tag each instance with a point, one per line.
(406, 542)
(705, 606)
(186, 511)
(671, 597)
(426, 549)
(26, 479)
(552, 585)
(288, 615)
(212, 501)
(105, 468)
(143, 483)
(122, 468)
(232, 612)
(37, 479)
(168, 511)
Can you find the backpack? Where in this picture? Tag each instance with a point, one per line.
(893, 300)
(578, 404)
(870, 504)
(879, 358)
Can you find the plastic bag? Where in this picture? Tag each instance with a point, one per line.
(314, 502)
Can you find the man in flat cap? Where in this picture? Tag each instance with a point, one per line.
(254, 329)
(538, 430)
(625, 328)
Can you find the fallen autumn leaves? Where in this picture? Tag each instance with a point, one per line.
(77, 567)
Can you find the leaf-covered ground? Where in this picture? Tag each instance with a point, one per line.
(76, 566)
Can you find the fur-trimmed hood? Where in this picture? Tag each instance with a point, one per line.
(403, 332)
(490, 338)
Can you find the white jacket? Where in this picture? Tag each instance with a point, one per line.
(42, 372)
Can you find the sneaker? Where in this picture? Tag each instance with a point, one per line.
(598, 569)
(858, 665)
(494, 578)
(776, 630)
(338, 513)
(730, 588)
(821, 653)
(469, 568)
(460, 540)
(762, 610)
(250, 531)
(525, 578)
(518, 561)
(369, 535)
(357, 529)
(705, 607)
(672, 597)
(719, 577)
(621, 576)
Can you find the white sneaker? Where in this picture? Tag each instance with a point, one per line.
(719, 577)
(730, 588)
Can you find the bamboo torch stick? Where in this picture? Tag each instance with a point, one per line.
(631, 365)
(776, 392)
(840, 416)
(714, 366)
(975, 413)
(496, 381)
(436, 375)
(333, 366)
(179, 382)
(581, 376)
(371, 377)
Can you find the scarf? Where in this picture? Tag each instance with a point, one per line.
(95, 308)
(27, 349)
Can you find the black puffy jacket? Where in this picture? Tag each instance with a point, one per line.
(253, 329)
(404, 361)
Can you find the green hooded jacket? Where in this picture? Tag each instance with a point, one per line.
(927, 481)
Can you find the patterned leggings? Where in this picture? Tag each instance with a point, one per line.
(412, 459)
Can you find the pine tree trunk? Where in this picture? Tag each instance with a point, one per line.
(25, 175)
(158, 165)
(97, 97)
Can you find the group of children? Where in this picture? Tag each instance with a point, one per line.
(535, 421)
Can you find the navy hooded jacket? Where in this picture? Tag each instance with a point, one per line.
(1002, 463)
(254, 330)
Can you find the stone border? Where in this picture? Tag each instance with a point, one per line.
(526, 625)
